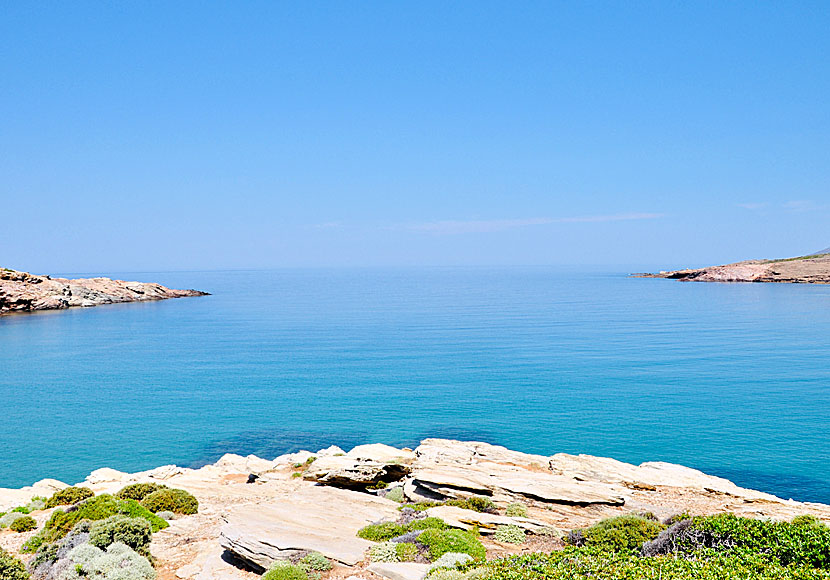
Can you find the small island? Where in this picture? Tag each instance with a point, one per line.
(810, 269)
(24, 292)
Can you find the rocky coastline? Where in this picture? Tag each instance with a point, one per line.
(24, 292)
(256, 512)
(812, 269)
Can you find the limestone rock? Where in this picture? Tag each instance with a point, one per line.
(24, 292)
(466, 519)
(106, 475)
(238, 464)
(321, 519)
(400, 570)
(361, 467)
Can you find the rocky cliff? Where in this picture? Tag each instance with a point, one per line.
(24, 292)
(812, 269)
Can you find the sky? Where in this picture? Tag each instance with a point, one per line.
(153, 136)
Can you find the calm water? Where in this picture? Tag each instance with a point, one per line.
(730, 379)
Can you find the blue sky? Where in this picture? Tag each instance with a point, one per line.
(163, 136)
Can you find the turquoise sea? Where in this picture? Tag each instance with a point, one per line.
(733, 379)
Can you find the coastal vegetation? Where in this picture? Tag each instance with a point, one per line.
(103, 537)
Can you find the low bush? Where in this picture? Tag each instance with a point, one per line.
(475, 503)
(439, 542)
(619, 533)
(9, 518)
(284, 570)
(315, 562)
(451, 560)
(388, 530)
(805, 541)
(395, 494)
(590, 564)
(11, 568)
(406, 551)
(133, 532)
(24, 524)
(118, 562)
(93, 509)
(516, 510)
(509, 534)
(138, 491)
(384, 552)
(69, 496)
(177, 501)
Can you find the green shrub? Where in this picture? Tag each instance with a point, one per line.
(451, 560)
(138, 491)
(516, 510)
(590, 564)
(406, 551)
(384, 552)
(133, 532)
(509, 534)
(381, 532)
(24, 524)
(315, 562)
(395, 494)
(284, 570)
(439, 542)
(11, 568)
(8, 519)
(177, 501)
(69, 496)
(425, 524)
(475, 503)
(617, 534)
(388, 530)
(119, 562)
(803, 542)
(94, 509)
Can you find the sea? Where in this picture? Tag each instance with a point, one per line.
(731, 379)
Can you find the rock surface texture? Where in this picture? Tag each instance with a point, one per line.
(814, 269)
(24, 292)
(253, 511)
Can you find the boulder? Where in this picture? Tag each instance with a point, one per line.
(238, 464)
(321, 519)
(362, 467)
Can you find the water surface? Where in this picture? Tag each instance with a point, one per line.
(732, 379)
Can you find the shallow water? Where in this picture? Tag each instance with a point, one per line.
(732, 379)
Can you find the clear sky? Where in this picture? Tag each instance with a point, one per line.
(140, 136)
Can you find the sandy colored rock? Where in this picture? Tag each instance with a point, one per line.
(399, 570)
(466, 519)
(24, 292)
(320, 519)
(814, 269)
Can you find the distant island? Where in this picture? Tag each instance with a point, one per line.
(810, 269)
(24, 292)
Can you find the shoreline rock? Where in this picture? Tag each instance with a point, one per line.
(254, 510)
(24, 292)
(812, 269)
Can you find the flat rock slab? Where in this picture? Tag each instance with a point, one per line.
(320, 519)
(498, 479)
(465, 519)
(400, 571)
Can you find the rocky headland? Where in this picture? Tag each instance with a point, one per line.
(812, 269)
(24, 292)
(254, 512)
